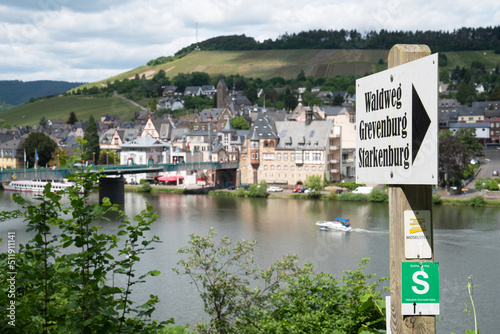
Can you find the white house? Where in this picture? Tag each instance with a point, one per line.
(145, 151)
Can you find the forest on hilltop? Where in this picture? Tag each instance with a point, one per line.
(463, 39)
(16, 92)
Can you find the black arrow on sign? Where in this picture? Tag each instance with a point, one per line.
(421, 123)
(414, 308)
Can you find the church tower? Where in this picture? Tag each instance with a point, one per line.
(222, 93)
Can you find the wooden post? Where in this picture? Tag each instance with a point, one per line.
(402, 198)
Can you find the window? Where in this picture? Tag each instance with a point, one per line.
(306, 156)
(268, 156)
(292, 167)
(285, 156)
(266, 143)
(314, 168)
(272, 167)
(271, 143)
(279, 156)
(279, 167)
(306, 168)
(265, 167)
(286, 167)
(292, 156)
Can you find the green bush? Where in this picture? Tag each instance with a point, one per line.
(476, 201)
(259, 190)
(241, 297)
(347, 196)
(437, 200)
(350, 185)
(63, 273)
(486, 183)
(377, 195)
(145, 187)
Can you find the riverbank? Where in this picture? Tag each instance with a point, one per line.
(472, 199)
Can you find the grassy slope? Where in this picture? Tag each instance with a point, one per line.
(465, 59)
(264, 64)
(60, 107)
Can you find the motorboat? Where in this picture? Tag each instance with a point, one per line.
(339, 224)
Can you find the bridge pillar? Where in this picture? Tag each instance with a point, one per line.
(113, 188)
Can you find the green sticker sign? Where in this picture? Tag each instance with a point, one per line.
(420, 288)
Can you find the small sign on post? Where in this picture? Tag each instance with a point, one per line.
(420, 288)
(418, 236)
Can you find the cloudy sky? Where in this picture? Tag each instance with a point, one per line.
(86, 41)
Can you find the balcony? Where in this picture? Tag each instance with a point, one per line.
(334, 148)
(334, 171)
(334, 161)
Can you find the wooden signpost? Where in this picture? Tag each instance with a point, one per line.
(396, 144)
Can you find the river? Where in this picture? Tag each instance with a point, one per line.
(465, 240)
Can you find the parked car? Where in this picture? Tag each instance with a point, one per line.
(302, 190)
(296, 190)
(362, 190)
(495, 173)
(474, 162)
(274, 189)
(231, 188)
(244, 186)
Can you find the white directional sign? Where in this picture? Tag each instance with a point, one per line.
(418, 227)
(397, 124)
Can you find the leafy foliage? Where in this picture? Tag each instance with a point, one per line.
(377, 195)
(241, 297)
(91, 141)
(486, 183)
(239, 123)
(62, 282)
(314, 182)
(43, 145)
(258, 190)
(456, 40)
(476, 201)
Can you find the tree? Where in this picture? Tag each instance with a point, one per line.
(64, 269)
(466, 92)
(152, 105)
(72, 118)
(314, 182)
(239, 123)
(468, 137)
(43, 122)
(43, 145)
(290, 100)
(240, 297)
(452, 158)
(91, 146)
(337, 100)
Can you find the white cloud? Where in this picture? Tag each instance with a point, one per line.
(92, 40)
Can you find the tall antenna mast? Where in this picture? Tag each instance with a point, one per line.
(197, 45)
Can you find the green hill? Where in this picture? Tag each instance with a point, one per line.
(59, 108)
(266, 64)
(17, 92)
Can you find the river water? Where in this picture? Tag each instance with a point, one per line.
(466, 243)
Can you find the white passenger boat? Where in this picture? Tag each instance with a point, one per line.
(340, 224)
(37, 186)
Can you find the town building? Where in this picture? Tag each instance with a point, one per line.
(145, 151)
(285, 153)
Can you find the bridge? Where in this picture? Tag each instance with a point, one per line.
(113, 186)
